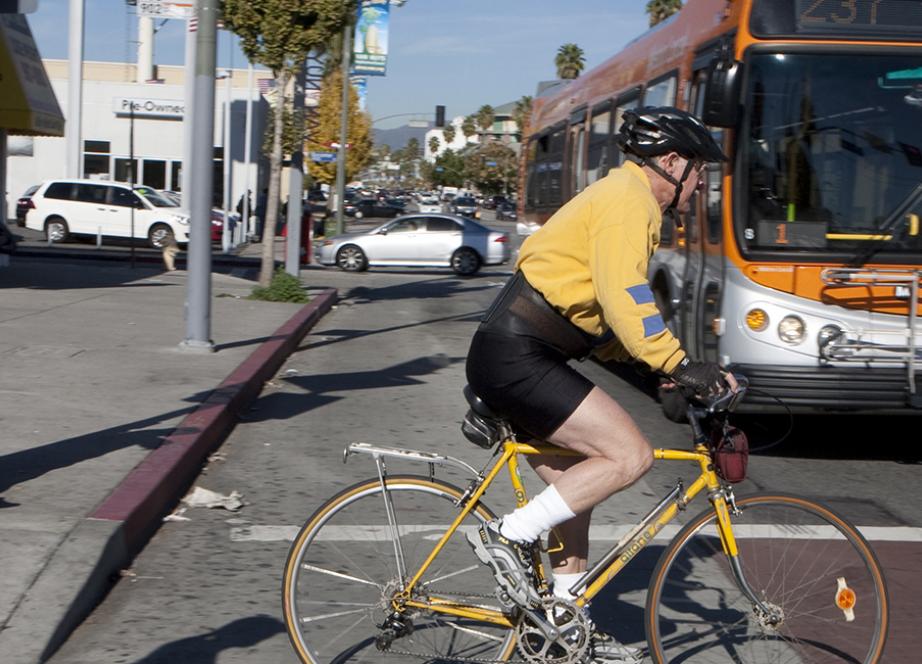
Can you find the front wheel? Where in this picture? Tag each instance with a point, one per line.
(351, 259)
(808, 565)
(342, 574)
(160, 236)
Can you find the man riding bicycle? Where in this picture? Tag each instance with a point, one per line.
(581, 288)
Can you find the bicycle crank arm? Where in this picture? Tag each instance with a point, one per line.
(550, 632)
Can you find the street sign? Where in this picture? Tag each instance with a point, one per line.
(491, 163)
(323, 157)
(166, 8)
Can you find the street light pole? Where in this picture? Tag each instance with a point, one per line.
(74, 88)
(296, 180)
(343, 129)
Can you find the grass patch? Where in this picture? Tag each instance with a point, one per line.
(283, 288)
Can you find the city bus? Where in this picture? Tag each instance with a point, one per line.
(800, 262)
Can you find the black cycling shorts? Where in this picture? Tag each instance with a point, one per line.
(525, 380)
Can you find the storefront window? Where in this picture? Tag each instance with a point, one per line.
(96, 159)
(154, 173)
(121, 169)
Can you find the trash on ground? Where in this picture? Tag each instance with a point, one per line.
(200, 497)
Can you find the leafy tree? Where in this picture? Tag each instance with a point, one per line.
(570, 61)
(491, 168)
(660, 10)
(484, 117)
(433, 144)
(279, 34)
(469, 127)
(448, 133)
(358, 138)
(448, 170)
(522, 114)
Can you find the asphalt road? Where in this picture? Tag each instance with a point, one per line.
(386, 366)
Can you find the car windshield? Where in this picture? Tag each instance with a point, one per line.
(465, 201)
(155, 198)
(833, 153)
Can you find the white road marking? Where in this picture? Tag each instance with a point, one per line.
(600, 533)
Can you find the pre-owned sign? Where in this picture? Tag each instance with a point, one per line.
(150, 108)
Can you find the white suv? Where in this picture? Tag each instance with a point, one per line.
(86, 207)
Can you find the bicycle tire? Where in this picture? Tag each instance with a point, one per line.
(348, 536)
(792, 552)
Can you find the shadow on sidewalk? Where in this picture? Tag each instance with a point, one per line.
(418, 290)
(25, 465)
(204, 649)
(53, 274)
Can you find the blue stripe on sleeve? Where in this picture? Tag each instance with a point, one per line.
(653, 325)
(641, 293)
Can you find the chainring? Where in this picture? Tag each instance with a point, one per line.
(571, 647)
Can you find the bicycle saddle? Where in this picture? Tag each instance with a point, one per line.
(479, 407)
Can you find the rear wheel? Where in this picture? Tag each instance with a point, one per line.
(56, 230)
(465, 261)
(342, 574)
(808, 565)
(351, 259)
(160, 236)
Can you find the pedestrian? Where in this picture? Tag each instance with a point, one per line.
(245, 204)
(580, 288)
(262, 202)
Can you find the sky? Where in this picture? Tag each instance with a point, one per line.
(458, 53)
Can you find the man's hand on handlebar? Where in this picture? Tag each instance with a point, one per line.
(705, 379)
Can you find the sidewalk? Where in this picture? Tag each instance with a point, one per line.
(93, 387)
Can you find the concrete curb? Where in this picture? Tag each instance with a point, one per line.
(80, 572)
(115, 256)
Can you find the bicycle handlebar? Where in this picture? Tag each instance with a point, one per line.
(700, 407)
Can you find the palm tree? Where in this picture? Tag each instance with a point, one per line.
(570, 61)
(468, 127)
(448, 133)
(522, 113)
(433, 144)
(484, 117)
(660, 10)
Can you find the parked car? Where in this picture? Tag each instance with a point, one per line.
(466, 206)
(505, 211)
(431, 240)
(62, 208)
(24, 204)
(493, 202)
(217, 216)
(370, 207)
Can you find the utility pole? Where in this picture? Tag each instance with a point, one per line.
(248, 154)
(296, 181)
(343, 129)
(188, 93)
(198, 296)
(74, 89)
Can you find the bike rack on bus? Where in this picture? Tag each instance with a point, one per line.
(852, 346)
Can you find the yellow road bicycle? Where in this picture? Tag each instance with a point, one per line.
(382, 571)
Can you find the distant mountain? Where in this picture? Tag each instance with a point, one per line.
(397, 137)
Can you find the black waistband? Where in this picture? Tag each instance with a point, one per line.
(521, 309)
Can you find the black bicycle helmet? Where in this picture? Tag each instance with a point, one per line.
(651, 131)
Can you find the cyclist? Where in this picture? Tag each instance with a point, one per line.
(581, 288)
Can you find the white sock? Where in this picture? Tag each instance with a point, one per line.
(540, 514)
(563, 583)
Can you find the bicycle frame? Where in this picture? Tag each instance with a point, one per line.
(609, 565)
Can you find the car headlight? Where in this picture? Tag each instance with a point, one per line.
(792, 330)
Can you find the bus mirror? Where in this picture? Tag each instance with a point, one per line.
(721, 100)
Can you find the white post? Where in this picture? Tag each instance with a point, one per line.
(74, 90)
(225, 233)
(189, 94)
(145, 71)
(247, 154)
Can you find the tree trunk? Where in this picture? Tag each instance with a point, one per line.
(267, 267)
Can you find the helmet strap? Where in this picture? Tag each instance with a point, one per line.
(678, 184)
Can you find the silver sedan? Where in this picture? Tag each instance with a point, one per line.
(424, 240)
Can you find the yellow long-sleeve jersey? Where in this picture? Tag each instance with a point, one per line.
(590, 262)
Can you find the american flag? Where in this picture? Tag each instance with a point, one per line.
(265, 84)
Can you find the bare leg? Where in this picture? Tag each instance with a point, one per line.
(573, 534)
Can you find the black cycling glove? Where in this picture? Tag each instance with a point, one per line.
(702, 377)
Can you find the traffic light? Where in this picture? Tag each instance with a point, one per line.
(439, 116)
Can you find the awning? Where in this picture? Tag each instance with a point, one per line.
(27, 102)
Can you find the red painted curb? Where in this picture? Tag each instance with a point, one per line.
(152, 488)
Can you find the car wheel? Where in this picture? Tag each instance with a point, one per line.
(351, 259)
(465, 261)
(160, 236)
(358, 214)
(56, 230)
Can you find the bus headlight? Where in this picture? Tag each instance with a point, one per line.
(791, 330)
(827, 335)
(757, 320)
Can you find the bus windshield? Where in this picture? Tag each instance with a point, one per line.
(832, 153)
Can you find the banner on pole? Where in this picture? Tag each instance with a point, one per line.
(370, 51)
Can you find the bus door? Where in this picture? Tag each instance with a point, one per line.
(576, 151)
